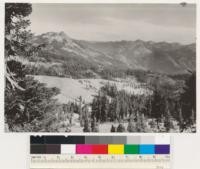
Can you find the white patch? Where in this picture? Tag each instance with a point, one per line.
(72, 89)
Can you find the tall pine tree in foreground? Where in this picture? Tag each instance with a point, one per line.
(28, 104)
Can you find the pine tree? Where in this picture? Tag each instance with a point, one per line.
(104, 108)
(131, 125)
(86, 127)
(180, 119)
(193, 117)
(99, 107)
(141, 123)
(80, 111)
(188, 99)
(113, 129)
(121, 128)
(117, 109)
(168, 120)
(27, 102)
(157, 104)
(94, 125)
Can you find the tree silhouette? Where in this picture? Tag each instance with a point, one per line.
(188, 99)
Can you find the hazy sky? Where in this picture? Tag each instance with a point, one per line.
(158, 22)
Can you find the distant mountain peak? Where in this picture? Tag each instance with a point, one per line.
(56, 36)
(63, 34)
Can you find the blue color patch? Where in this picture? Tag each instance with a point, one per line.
(147, 149)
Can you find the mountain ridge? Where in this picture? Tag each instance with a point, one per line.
(161, 57)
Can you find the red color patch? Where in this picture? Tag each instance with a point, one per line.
(100, 149)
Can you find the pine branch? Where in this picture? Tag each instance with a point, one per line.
(13, 82)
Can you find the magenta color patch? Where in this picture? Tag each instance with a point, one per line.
(83, 149)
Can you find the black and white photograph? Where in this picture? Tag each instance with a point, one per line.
(124, 68)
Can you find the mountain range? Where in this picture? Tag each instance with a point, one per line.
(160, 57)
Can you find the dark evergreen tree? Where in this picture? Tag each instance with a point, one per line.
(188, 99)
(121, 128)
(157, 104)
(141, 122)
(94, 125)
(167, 120)
(104, 108)
(113, 129)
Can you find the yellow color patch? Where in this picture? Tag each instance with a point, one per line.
(115, 149)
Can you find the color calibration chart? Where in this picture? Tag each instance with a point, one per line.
(99, 152)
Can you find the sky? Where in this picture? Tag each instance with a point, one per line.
(115, 22)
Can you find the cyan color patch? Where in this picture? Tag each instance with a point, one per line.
(146, 149)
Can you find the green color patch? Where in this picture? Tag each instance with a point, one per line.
(131, 149)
